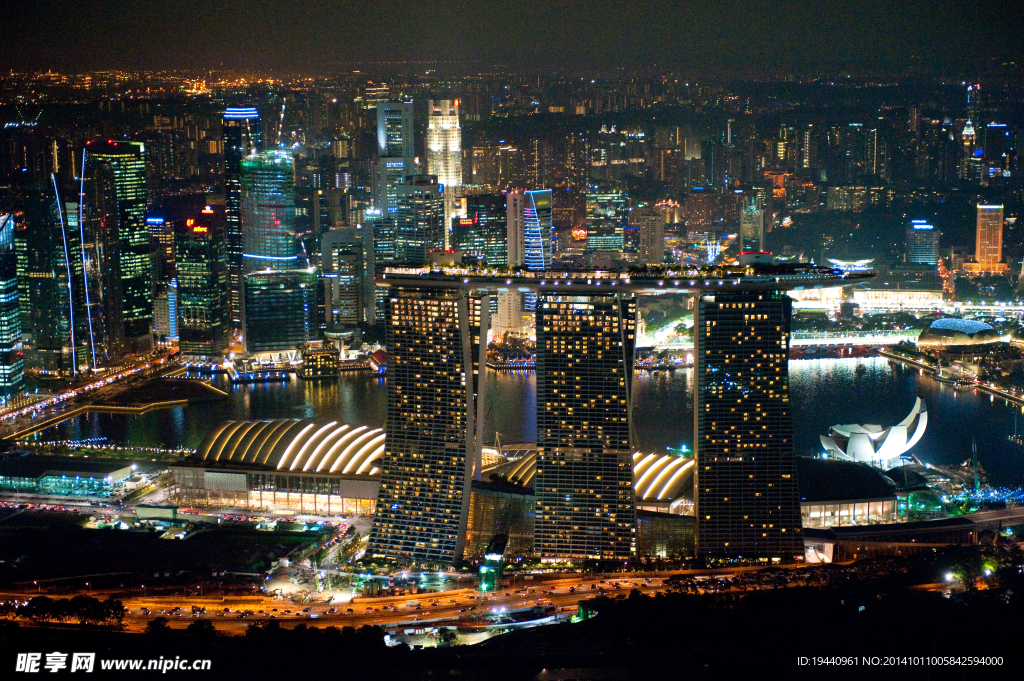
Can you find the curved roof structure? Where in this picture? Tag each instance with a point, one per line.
(300, 445)
(955, 331)
(656, 477)
(871, 443)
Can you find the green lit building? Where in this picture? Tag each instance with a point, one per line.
(59, 477)
(280, 310)
(125, 165)
(268, 211)
(202, 294)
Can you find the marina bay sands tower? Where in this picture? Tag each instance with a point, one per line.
(746, 497)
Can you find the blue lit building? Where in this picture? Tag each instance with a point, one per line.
(395, 152)
(12, 361)
(243, 136)
(922, 243)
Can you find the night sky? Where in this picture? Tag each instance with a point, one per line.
(704, 36)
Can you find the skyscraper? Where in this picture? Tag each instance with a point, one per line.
(202, 286)
(242, 136)
(652, 238)
(12, 360)
(745, 488)
(268, 211)
(126, 162)
(395, 152)
(529, 229)
(752, 227)
(922, 243)
(419, 218)
(280, 310)
(343, 260)
(584, 481)
(423, 501)
(483, 232)
(444, 152)
(988, 245)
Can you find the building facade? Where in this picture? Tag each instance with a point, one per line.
(12, 359)
(280, 308)
(395, 152)
(922, 243)
(268, 211)
(988, 245)
(746, 496)
(584, 480)
(752, 227)
(242, 136)
(203, 323)
(419, 218)
(482, 233)
(652, 239)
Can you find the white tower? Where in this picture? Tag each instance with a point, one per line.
(444, 153)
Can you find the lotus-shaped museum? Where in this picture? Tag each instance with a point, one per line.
(873, 444)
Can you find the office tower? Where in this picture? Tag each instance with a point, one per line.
(698, 211)
(280, 310)
(922, 243)
(988, 248)
(165, 312)
(12, 359)
(203, 324)
(652, 238)
(395, 152)
(268, 211)
(54, 315)
(483, 232)
(529, 229)
(444, 152)
(584, 480)
(607, 216)
(343, 261)
(746, 496)
(423, 501)
(161, 237)
(752, 227)
(242, 137)
(419, 218)
(126, 163)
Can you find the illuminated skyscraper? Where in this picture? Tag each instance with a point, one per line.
(268, 211)
(243, 136)
(529, 229)
(126, 162)
(343, 265)
(444, 152)
(483, 232)
(444, 142)
(746, 494)
(395, 152)
(202, 290)
(652, 238)
(419, 218)
(280, 310)
(584, 481)
(988, 245)
(12, 360)
(922, 243)
(752, 227)
(423, 503)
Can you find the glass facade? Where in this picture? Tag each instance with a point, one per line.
(419, 218)
(127, 161)
(268, 211)
(483, 232)
(280, 310)
(202, 292)
(746, 494)
(12, 360)
(243, 136)
(395, 151)
(584, 479)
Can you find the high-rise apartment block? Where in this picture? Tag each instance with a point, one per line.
(652, 238)
(747, 502)
(584, 481)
